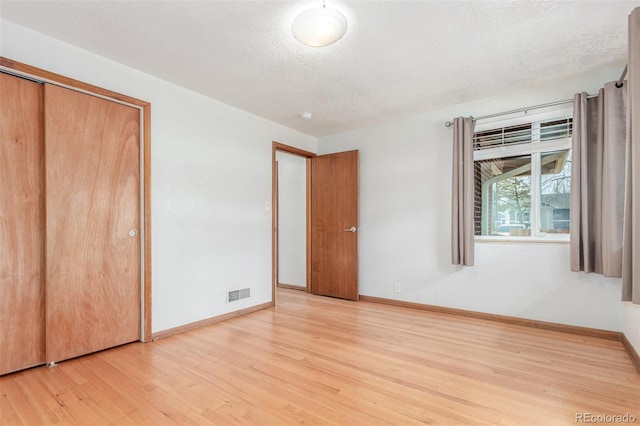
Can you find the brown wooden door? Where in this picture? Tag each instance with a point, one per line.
(22, 343)
(93, 223)
(334, 225)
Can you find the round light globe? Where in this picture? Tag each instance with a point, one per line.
(319, 27)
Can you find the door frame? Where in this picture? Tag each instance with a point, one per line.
(277, 146)
(39, 75)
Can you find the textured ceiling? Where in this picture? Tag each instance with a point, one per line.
(397, 57)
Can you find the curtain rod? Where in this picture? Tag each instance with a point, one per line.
(514, 111)
(619, 84)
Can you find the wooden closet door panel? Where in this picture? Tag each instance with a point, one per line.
(22, 341)
(92, 196)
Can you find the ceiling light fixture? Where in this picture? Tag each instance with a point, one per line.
(319, 27)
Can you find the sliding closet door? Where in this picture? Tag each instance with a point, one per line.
(21, 224)
(93, 222)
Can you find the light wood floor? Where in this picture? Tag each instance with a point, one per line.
(316, 360)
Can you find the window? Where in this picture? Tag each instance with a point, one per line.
(523, 178)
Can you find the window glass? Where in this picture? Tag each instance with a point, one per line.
(510, 135)
(555, 192)
(503, 196)
(556, 129)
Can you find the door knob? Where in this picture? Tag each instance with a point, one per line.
(352, 229)
(133, 233)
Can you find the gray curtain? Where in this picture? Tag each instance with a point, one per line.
(462, 229)
(597, 181)
(631, 254)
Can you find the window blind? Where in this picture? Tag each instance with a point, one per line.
(559, 128)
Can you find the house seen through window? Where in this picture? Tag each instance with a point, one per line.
(523, 179)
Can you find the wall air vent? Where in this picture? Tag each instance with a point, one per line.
(236, 295)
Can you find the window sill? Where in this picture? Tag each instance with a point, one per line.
(542, 239)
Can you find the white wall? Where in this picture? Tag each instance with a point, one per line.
(292, 221)
(405, 201)
(631, 324)
(211, 180)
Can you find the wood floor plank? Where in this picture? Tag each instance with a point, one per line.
(322, 361)
(385, 388)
